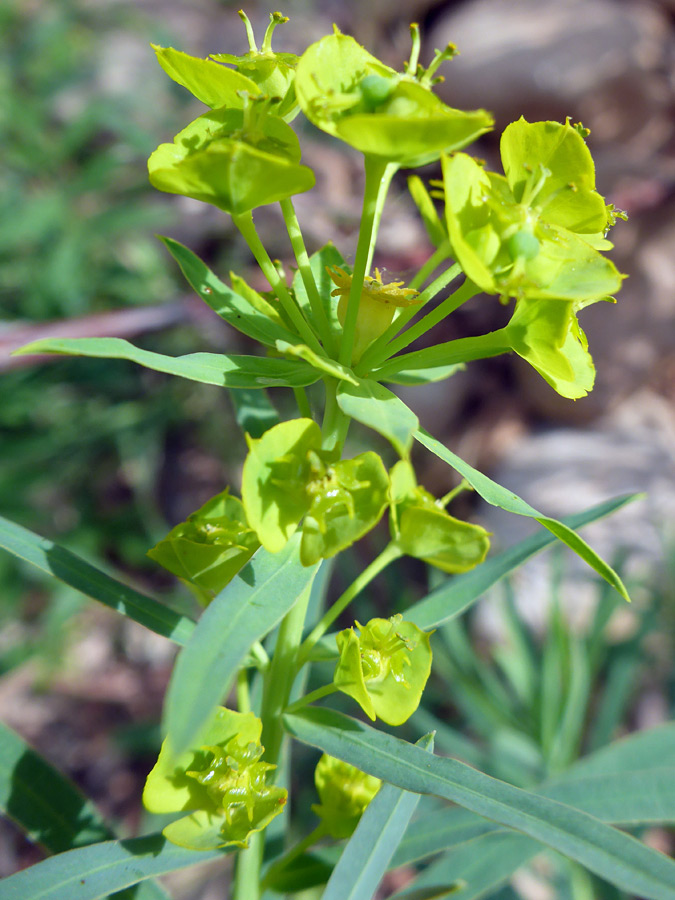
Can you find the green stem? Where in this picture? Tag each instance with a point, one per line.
(375, 172)
(462, 486)
(324, 691)
(465, 292)
(305, 269)
(450, 353)
(247, 873)
(382, 191)
(312, 838)
(303, 403)
(379, 350)
(389, 554)
(243, 695)
(436, 258)
(244, 223)
(335, 423)
(280, 675)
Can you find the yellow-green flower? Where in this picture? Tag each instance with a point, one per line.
(377, 306)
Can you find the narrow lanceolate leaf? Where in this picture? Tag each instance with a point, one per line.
(49, 808)
(473, 870)
(322, 364)
(654, 748)
(609, 853)
(102, 869)
(88, 580)
(244, 612)
(208, 368)
(626, 798)
(499, 496)
(459, 593)
(230, 306)
(366, 857)
(44, 803)
(374, 405)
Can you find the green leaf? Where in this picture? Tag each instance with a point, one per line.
(254, 411)
(374, 405)
(83, 577)
(249, 607)
(436, 229)
(474, 869)
(457, 594)
(653, 748)
(609, 853)
(435, 832)
(45, 804)
(499, 496)
(425, 376)
(90, 873)
(230, 306)
(367, 855)
(208, 368)
(625, 798)
(321, 364)
(213, 84)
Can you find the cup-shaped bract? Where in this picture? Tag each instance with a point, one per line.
(377, 305)
(220, 781)
(345, 792)
(235, 159)
(208, 81)
(347, 92)
(421, 527)
(384, 668)
(546, 334)
(275, 478)
(537, 231)
(347, 500)
(210, 547)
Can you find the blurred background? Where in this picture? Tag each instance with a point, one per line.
(104, 457)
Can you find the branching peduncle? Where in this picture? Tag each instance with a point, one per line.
(244, 223)
(305, 269)
(383, 190)
(388, 555)
(380, 350)
(375, 172)
(437, 257)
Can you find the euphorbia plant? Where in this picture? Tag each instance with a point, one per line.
(533, 237)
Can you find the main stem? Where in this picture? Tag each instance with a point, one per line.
(375, 173)
(244, 223)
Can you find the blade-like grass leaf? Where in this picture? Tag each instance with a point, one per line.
(89, 873)
(245, 611)
(208, 368)
(458, 593)
(499, 496)
(83, 577)
(367, 855)
(611, 854)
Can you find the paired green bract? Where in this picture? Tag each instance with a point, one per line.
(345, 792)
(350, 94)
(210, 547)
(220, 782)
(421, 527)
(287, 477)
(384, 668)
